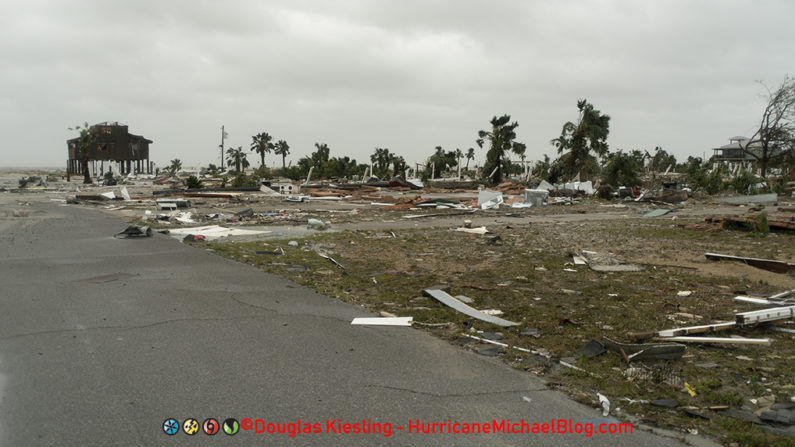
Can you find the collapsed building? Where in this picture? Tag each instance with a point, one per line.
(114, 144)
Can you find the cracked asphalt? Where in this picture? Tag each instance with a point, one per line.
(102, 339)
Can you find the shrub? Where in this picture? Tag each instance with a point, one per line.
(193, 182)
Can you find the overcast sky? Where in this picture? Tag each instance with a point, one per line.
(407, 75)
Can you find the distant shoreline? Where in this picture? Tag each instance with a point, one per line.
(30, 168)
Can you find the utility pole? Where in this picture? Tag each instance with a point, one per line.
(223, 136)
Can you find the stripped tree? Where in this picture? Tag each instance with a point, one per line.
(775, 136)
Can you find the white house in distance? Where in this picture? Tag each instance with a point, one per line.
(733, 156)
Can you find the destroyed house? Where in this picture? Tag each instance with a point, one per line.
(114, 145)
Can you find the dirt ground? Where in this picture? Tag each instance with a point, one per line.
(524, 268)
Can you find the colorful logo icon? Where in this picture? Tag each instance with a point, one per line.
(171, 426)
(210, 426)
(190, 426)
(231, 426)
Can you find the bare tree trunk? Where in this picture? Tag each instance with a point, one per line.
(84, 167)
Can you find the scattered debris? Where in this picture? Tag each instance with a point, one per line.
(684, 293)
(693, 413)
(765, 315)
(489, 200)
(33, 180)
(665, 403)
(134, 231)
(489, 352)
(383, 321)
(317, 224)
(194, 238)
(124, 193)
(213, 232)
(248, 212)
(657, 213)
(531, 351)
(765, 264)
(739, 341)
(747, 222)
(446, 299)
(536, 197)
(479, 230)
(662, 373)
(605, 404)
(333, 261)
(496, 240)
(651, 351)
(606, 262)
(278, 252)
(171, 203)
(591, 349)
(491, 336)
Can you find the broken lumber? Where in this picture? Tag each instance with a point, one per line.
(771, 265)
(450, 301)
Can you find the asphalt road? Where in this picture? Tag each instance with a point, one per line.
(103, 339)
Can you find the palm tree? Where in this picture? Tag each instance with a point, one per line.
(175, 166)
(261, 143)
(589, 134)
(237, 157)
(470, 156)
(282, 148)
(501, 139)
